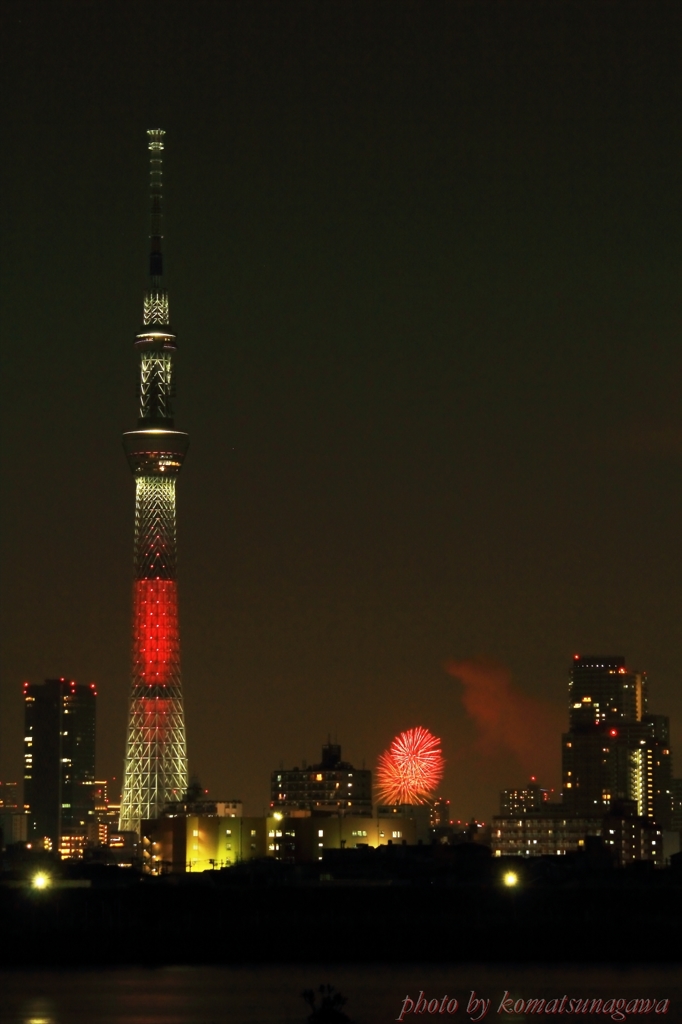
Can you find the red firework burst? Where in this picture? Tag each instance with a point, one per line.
(409, 771)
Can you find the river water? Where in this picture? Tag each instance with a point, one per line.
(271, 994)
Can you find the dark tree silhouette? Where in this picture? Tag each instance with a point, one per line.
(328, 1011)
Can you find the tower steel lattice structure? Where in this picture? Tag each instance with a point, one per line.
(156, 753)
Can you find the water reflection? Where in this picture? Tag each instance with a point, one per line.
(273, 994)
(37, 1010)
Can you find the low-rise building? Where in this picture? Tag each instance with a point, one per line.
(204, 842)
(632, 837)
(528, 800)
(398, 821)
(628, 837)
(201, 842)
(331, 787)
(542, 834)
(13, 827)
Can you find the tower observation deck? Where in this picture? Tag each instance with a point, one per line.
(155, 770)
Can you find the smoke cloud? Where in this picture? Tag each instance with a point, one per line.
(509, 721)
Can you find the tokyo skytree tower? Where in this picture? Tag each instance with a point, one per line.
(156, 754)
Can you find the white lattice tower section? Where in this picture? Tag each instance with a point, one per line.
(155, 535)
(156, 385)
(155, 309)
(156, 755)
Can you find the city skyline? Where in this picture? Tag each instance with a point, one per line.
(426, 275)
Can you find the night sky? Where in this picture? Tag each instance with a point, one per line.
(424, 262)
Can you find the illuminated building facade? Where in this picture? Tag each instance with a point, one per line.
(523, 801)
(631, 837)
(331, 787)
(620, 833)
(542, 834)
(59, 761)
(155, 770)
(201, 842)
(297, 840)
(392, 816)
(205, 842)
(107, 814)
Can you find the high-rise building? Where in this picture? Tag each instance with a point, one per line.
(597, 763)
(331, 787)
(662, 796)
(602, 691)
(156, 757)
(614, 749)
(59, 760)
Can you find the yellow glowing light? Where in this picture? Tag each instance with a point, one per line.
(511, 879)
(277, 816)
(41, 880)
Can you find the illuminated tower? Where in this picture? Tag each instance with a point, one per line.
(156, 757)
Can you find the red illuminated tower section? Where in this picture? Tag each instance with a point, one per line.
(156, 753)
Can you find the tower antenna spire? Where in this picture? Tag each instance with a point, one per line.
(156, 300)
(156, 147)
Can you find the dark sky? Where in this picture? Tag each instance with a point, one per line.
(424, 263)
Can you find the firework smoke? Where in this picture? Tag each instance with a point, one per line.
(508, 720)
(409, 771)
